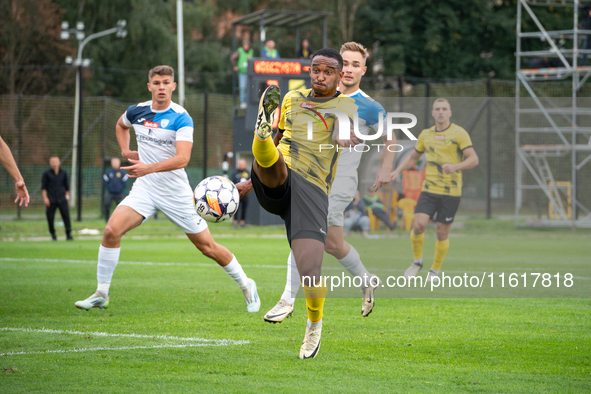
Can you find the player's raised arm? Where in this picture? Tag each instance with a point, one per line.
(123, 138)
(406, 164)
(7, 161)
(389, 155)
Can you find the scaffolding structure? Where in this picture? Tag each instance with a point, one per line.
(558, 133)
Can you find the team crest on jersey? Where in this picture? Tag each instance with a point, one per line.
(314, 115)
(439, 136)
(152, 125)
(164, 122)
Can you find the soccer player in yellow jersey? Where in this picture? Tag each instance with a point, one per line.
(293, 180)
(448, 150)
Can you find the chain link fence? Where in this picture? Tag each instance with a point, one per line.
(36, 127)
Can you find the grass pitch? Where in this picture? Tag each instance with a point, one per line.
(177, 323)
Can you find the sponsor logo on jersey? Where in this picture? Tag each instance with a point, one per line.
(140, 120)
(439, 136)
(152, 125)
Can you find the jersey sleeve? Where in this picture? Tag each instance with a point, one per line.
(373, 117)
(420, 146)
(464, 140)
(128, 115)
(184, 131)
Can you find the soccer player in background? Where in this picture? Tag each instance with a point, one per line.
(164, 133)
(343, 189)
(293, 173)
(448, 151)
(7, 161)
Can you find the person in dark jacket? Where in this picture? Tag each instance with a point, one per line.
(115, 181)
(56, 193)
(241, 174)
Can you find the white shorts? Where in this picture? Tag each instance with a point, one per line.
(341, 194)
(178, 208)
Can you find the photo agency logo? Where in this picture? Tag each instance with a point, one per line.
(390, 122)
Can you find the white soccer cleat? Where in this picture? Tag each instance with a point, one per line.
(253, 302)
(413, 270)
(311, 343)
(267, 108)
(97, 300)
(432, 277)
(280, 312)
(368, 295)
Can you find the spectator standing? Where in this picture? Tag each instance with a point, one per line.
(115, 181)
(56, 193)
(305, 51)
(269, 51)
(240, 62)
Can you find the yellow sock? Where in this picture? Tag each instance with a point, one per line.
(441, 248)
(417, 244)
(315, 297)
(265, 152)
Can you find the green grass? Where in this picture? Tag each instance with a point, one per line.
(470, 344)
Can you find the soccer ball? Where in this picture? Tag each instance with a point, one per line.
(216, 199)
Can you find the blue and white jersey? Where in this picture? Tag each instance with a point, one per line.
(369, 112)
(157, 133)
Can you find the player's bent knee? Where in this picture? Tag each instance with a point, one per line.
(112, 234)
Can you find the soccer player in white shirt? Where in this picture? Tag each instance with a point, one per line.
(343, 190)
(164, 132)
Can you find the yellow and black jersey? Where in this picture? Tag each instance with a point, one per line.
(312, 155)
(443, 147)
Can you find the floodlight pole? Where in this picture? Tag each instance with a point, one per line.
(76, 184)
(181, 51)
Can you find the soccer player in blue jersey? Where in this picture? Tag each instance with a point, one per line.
(164, 133)
(343, 189)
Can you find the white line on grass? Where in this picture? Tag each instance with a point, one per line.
(203, 341)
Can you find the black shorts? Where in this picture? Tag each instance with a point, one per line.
(441, 208)
(302, 205)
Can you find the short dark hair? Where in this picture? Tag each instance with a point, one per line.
(329, 52)
(52, 156)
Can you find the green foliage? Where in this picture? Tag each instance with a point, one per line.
(406, 345)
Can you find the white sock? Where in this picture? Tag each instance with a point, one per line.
(419, 261)
(107, 262)
(352, 262)
(293, 281)
(234, 269)
(312, 325)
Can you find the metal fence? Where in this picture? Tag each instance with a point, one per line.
(35, 127)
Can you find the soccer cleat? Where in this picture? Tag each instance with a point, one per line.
(413, 270)
(280, 312)
(368, 295)
(311, 343)
(432, 276)
(253, 302)
(267, 108)
(97, 300)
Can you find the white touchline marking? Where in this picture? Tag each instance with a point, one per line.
(95, 349)
(203, 341)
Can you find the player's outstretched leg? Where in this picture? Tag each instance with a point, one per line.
(206, 244)
(284, 307)
(349, 258)
(123, 219)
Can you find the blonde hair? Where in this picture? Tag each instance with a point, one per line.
(355, 47)
(161, 70)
